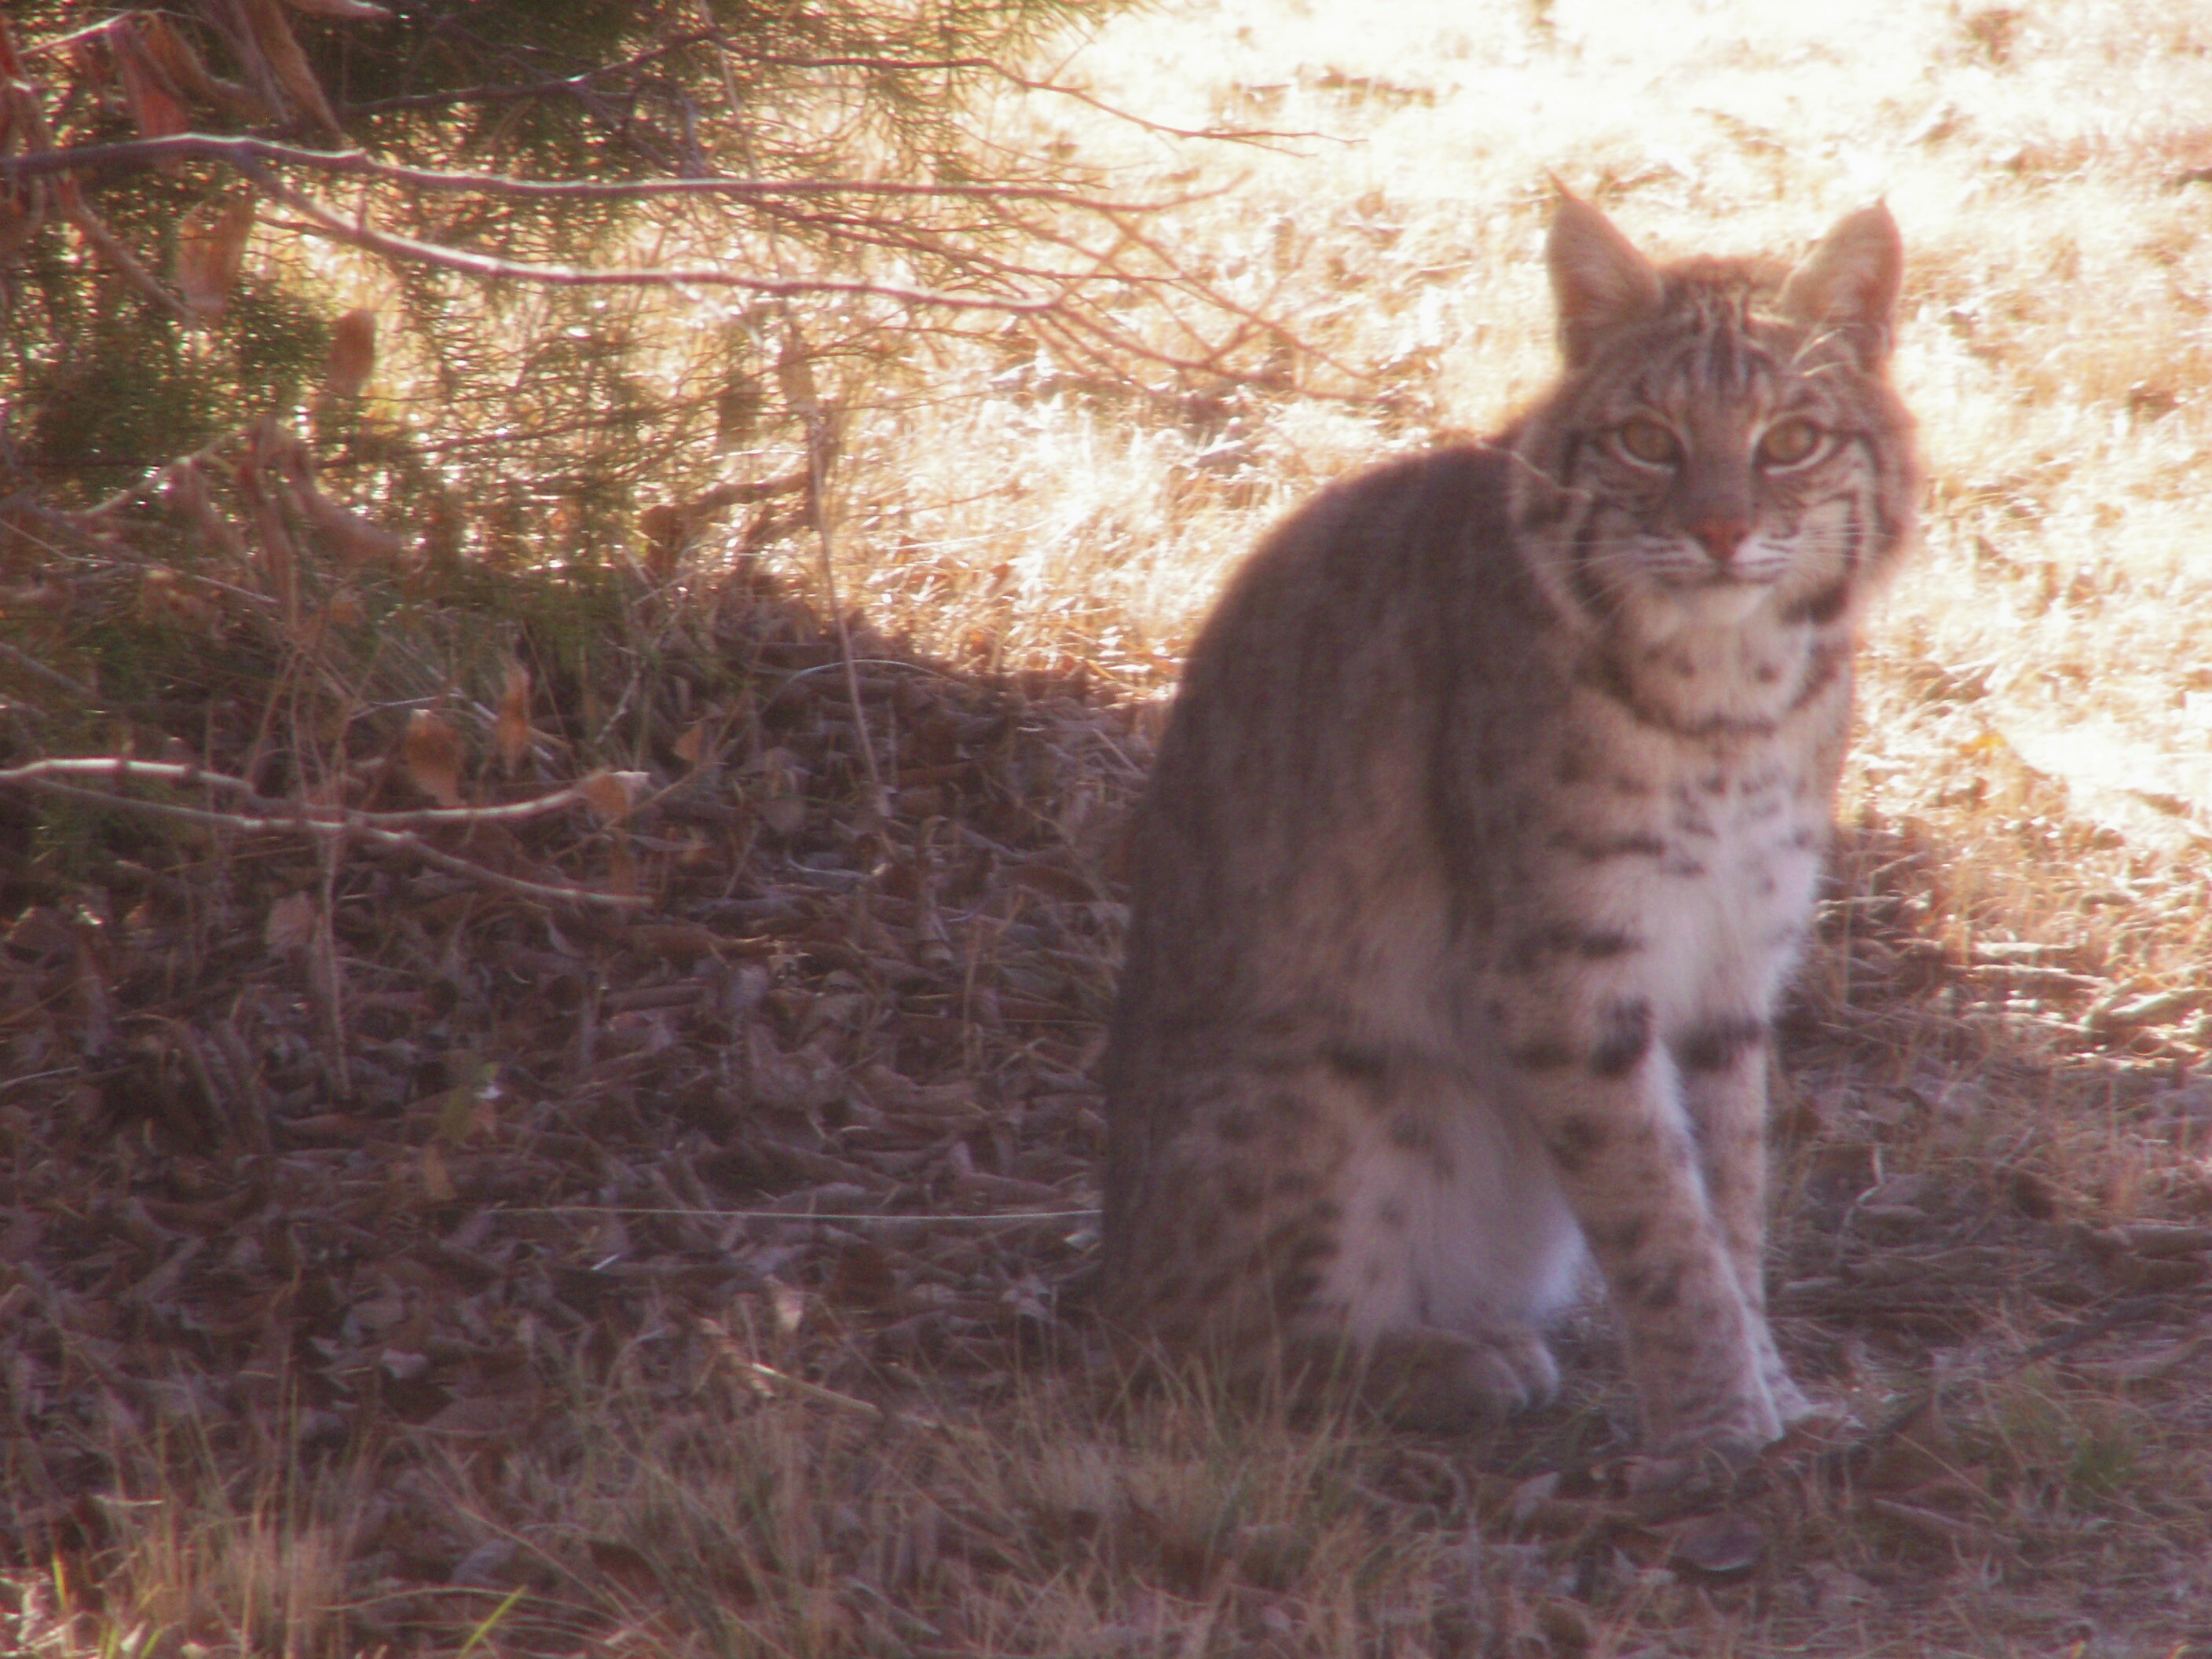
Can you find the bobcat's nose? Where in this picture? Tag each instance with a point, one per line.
(1721, 533)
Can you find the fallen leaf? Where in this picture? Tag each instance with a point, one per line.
(434, 758)
(511, 734)
(353, 353)
(437, 1184)
(611, 795)
(1720, 1546)
(291, 924)
(353, 538)
(185, 70)
(22, 211)
(154, 106)
(187, 493)
(210, 252)
(789, 1304)
(273, 36)
(691, 747)
(736, 412)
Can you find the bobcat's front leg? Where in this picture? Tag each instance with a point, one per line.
(1606, 1098)
(1723, 1062)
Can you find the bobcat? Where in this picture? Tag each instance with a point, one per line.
(1483, 837)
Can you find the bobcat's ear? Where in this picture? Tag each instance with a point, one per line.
(1849, 283)
(1599, 281)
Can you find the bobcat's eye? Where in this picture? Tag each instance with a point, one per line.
(1647, 443)
(1787, 442)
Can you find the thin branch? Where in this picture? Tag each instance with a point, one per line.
(269, 813)
(409, 250)
(53, 677)
(1220, 135)
(574, 85)
(298, 822)
(577, 85)
(821, 444)
(768, 1379)
(851, 1218)
(242, 152)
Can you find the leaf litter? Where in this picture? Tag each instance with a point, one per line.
(395, 1247)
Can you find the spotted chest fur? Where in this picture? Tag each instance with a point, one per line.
(1481, 843)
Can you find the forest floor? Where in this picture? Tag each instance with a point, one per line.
(392, 1259)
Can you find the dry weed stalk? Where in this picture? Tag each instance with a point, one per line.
(332, 826)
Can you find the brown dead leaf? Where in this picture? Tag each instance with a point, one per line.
(666, 527)
(624, 1565)
(353, 353)
(273, 36)
(351, 536)
(611, 795)
(22, 211)
(41, 932)
(185, 72)
(45, 596)
(1719, 1546)
(862, 1279)
(736, 412)
(153, 103)
(434, 758)
(680, 942)
(187, 493)
(291, 924)
(1053, 882)
(457, 1113)
(1567, 1626)
(794, 373)
(511, 734)
(691, 747)
(210, 252)
(165, 596)
(437, 1182)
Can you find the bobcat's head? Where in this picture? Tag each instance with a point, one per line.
(1723, 450)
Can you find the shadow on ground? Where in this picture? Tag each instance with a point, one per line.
(817, 1121)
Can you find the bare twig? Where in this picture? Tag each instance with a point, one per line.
(285, 813)
(770, 1380)
(820, 446)
(53, 677)
(1220, 135)
(389, 831)
(577, 85)
(408, 249)
(242, 152)
(843, 1218)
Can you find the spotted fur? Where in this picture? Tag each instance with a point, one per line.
(1483, 839)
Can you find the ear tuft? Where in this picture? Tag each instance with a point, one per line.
(1598, 278)
(1851, 282)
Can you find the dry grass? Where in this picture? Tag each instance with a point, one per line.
(528, 1346)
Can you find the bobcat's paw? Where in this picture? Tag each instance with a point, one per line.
(1790, 1402)
(1433, 1379)
(1707, 1449)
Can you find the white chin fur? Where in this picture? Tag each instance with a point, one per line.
(1673, 611)
(1725, 604)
